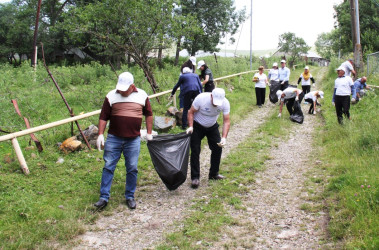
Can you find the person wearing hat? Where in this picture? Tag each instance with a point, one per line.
(348, 67)
(190, 63)
(206, 75)
(341, 97)
(190, 87)
(284, 75)
(124, 108)
(202, 121)
(273, 74)
(311, 98)
(305, 79)
(260, 80)
(290, 95)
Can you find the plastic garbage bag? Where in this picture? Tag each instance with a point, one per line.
(275, 86)
(297, 115)
(169, 154)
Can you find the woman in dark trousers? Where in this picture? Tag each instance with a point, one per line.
(261, 81)
(341, 96)
(207, 76)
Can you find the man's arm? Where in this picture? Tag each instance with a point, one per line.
(226, 126)
(190, 114)
(176, 86)
(281, 107)
(149, 124)
(102, 125)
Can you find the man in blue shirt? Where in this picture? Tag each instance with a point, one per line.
(284, 75)
(358, 89)
(190, 87)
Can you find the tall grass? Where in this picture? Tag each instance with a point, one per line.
(351, 156)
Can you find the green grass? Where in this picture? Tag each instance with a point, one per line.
(351, 157)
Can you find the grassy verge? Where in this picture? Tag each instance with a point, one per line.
(351, 157)
(209, 215)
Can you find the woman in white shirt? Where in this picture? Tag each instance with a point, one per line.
(260, 80)
(342, 92)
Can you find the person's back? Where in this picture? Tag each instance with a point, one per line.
(190, 82)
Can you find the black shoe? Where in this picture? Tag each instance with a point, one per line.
(131, 203)
(195, 183)
(101, 204)
(216, 177)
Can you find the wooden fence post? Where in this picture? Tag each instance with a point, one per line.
(20, 156)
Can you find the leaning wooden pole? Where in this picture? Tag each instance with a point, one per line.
(20, 156)
(64, 99)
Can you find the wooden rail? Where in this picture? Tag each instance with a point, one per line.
(16, 146)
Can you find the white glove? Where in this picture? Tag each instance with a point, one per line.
(297, 98)
(149, 137)
(314, 112)
(189, 130)
(100, 142)
(333, 104)
(280, 115)
(269, 84)
(222, 143)
(282, 83)
(314, 84)
(170, 97)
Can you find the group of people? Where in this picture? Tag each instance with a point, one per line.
(286, 94)
(344, 87)
(124, 108)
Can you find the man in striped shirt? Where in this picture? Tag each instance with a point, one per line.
(124, 108)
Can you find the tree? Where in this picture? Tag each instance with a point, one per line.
(216, 19)
(369, 26)
(136, 28)
(327, 44)
(292, 45)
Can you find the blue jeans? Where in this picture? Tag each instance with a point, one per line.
(114, 146)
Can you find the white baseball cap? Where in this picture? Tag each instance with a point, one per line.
(279, 94)
(218, 95)
(306, 67)
(187, 70)
(283, 61)
(341, 68)
(321, 93)
(275, 64)
(124, 81)
(200, 63)
(193, 60)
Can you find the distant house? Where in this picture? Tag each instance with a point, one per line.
(314, 58)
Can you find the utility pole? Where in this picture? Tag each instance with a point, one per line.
(355, 29)
(251, 35)
(34, 55)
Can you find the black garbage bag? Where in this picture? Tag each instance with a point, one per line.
(169, 154)
(275, 86)
(297, 115)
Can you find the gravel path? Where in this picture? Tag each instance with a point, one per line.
(157, 208)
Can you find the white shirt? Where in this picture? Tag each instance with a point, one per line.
(343, 85)
(348, 68)
(311, 95)
(290, 93)
(262, 80)
(273, 74)
(207, 114)
(304, 82)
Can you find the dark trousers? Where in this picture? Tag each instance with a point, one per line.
(291, 101)
(311, 108)
(342, 107)
(284, 85)
(260, 94)
(187, 102)
(209, 86)
(213, 136)
(306, 89)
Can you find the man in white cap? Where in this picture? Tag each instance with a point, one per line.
(284, 75)
(124, 108)
(202, 121)
(206, 75)
(311, 98)
(348, 67)
(290, 95)
(342, 91)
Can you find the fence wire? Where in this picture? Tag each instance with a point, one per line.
(373, 63)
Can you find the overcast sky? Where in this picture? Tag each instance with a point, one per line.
(271, 18)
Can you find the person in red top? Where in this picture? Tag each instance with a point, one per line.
(124, 108)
